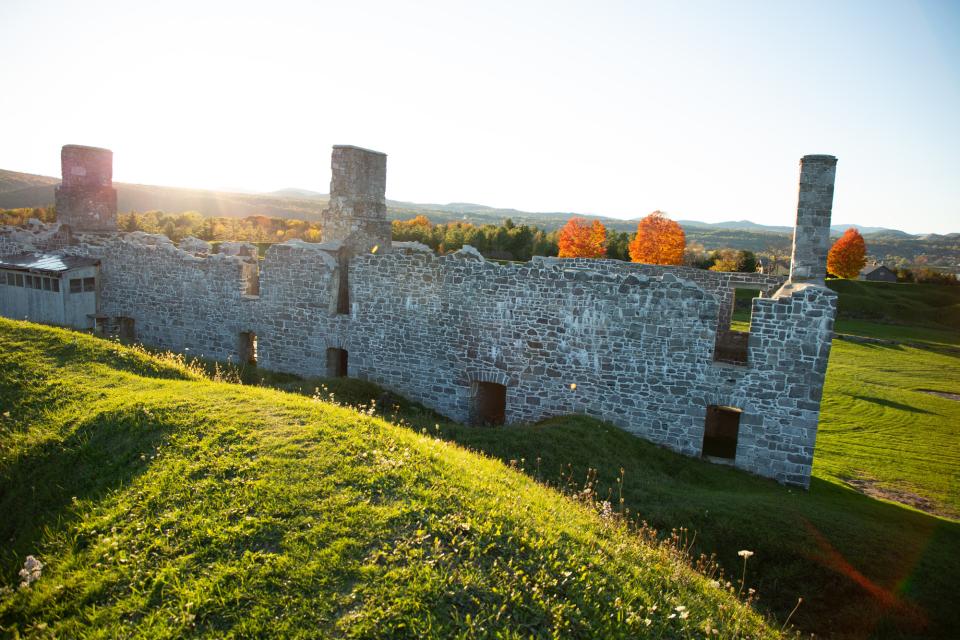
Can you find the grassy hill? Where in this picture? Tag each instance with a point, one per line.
(14, 181)
(873, 548)
(162, 504)
(898, 305)
(874, 545)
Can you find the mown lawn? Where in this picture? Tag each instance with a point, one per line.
(163, 505)
(864, 566)
(882, 432)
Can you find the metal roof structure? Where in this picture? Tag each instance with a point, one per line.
(45, 262)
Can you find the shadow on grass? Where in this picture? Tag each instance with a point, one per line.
(104, 452)
(864, 568)
(893, 405)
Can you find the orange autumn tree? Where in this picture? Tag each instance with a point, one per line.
(581, 239)
(848, 255)
(659, 240)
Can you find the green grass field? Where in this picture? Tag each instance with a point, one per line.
(165, 505)
(178, 506)
(865, 565)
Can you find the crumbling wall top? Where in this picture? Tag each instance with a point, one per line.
(411, 246)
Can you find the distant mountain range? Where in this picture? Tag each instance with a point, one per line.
(28, 190)
(469, 210)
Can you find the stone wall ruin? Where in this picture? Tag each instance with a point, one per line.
(479, 341)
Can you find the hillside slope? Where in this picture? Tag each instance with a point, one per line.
(165, 505)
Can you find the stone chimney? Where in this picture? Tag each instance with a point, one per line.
(811, 236)
(357, 213)
(86, 199)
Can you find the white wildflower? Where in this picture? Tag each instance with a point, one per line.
(30, 572)
(606, 510)
(744, 553)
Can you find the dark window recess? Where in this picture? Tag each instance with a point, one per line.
(343, 287)
(55, 283)
(721, 431)
(251, 275)
(336, 363)
(11, 280)
(126, 330)
(76, 285)
(47, 284)
(247, 348)
(731, 346)
(19, 279)
(89, 284)
(37, 282)
(489, 403)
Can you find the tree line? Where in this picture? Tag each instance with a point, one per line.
(658, 240)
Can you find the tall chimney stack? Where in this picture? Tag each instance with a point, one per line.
(811, 235)
(357, 213)
(86, 199)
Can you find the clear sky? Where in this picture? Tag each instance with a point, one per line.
(612, 108)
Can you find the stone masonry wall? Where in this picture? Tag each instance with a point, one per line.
(180, 301)
(637, 345)
(636, 340)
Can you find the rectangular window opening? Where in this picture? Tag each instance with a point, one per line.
(48, 284)
(19, 279)
(247, 348)
(733, 332)
(742, 312)
(126, 329)
(337, 363)
(343, 286)
(76, 285)
(251, 277)
(720, 432)
(89, 284)
(489, 404)
(55, 283)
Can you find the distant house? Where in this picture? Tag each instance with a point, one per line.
(878, 273)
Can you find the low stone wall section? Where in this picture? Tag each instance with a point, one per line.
(632, 344)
